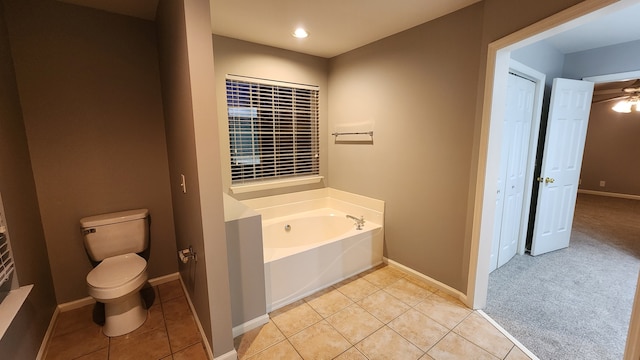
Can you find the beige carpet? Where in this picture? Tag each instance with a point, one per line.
(575, 303)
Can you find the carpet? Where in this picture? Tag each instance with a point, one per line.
(574, 303)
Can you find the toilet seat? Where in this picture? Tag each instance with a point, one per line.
(117, 276)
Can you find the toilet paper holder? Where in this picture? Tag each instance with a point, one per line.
(187, 255)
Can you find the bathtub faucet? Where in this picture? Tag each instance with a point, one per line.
(359, 221)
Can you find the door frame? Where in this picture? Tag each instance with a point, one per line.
(494, 100)
(539, 79)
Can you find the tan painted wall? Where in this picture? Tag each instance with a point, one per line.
(247, 59)
(418, 88)
(22, 339)
(611, 151)
(90, 91)
(186, 57)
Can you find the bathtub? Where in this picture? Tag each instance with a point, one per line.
(310, 244)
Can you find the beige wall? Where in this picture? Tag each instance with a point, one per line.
(186, 58)
(418, 89)
(90, 91)
(611, 151)
(247, 59)
(22, 339)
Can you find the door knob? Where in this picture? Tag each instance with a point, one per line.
(546, 180)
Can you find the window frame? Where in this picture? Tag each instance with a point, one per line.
(274, 133)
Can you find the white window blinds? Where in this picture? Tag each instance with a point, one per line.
(6, 258)
(273, 129)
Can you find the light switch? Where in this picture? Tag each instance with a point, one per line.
(183, 184)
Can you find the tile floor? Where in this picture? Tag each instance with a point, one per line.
(383, 313)
(170, 332)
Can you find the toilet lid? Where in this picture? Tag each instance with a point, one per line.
(116, 271)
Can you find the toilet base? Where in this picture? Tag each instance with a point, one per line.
(124, 315)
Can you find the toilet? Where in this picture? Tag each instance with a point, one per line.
(115, 240)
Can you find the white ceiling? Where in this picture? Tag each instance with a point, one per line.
(337, 26)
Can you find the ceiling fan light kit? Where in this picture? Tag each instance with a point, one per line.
(627, 96)
(625, 106)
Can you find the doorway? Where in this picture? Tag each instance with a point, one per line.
(490, 142)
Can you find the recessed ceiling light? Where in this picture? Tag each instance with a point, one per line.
(300, 33)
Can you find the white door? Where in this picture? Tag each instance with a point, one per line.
(561, 162)
(513, 168)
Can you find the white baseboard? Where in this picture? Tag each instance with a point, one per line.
(435, 283)
(207, 346)
(42, 353)
(250, 325)
(231, 355)
(610, 194)
(164, 279)
(76, 304)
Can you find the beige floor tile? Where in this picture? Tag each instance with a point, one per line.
(384, 276)
(258, 339)
(170, 290)
(78, 343)
(102, 354)
(407, 292)
(73, 320)
(418, 328)
(351, 354)
(148, 345)
(155, 321)
(193, 352)
(387, 344)
(445, 310)
(517, 354)
(319, 341)
(426, 357)
(455, 347)
(356, 288)
(176, 309)
(354, 323)
(295, 317)
(182, 333)
(328, 301)
(479, 331)
(383, 306)
(282, 350)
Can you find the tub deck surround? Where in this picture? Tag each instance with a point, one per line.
(243, 228)
(310, 244)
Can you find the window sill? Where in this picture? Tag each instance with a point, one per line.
(11, 305)
(268, 185)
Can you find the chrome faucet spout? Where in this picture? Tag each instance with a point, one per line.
(359, 221)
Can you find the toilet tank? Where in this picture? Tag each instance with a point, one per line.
(118, 233)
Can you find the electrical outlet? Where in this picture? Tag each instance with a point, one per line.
(602, 183)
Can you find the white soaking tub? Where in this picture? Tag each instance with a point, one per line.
(310, 244)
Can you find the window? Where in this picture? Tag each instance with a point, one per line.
(273, 129)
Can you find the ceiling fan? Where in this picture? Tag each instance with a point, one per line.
(628, 96)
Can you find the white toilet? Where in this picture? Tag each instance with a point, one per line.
(115, 240)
